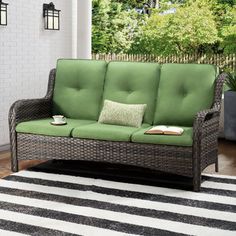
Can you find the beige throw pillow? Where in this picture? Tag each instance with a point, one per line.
(122, 114)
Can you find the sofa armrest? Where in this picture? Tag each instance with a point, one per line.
(205, 120)
(209, 117)
(24, 110)
(29, 109)
(205, 142)
(205, 115)
(206, 123)
(205, 134)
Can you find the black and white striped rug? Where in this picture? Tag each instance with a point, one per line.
(38, 203)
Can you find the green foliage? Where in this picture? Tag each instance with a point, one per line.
(231, 81)
(224, 12)
(196, 26)
(113, 27)
(228, 31)
(185, 31)
(130, 3)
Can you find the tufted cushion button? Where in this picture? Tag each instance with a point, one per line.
(76, 88)
(184, 93)
(129, 90)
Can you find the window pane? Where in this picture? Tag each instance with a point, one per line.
(50, 22)
(56, 23)
(3, 18)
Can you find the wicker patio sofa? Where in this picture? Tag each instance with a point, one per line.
(187, 95)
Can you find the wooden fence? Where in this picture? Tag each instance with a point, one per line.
(221, 60)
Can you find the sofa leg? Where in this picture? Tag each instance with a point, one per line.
(14, 162)
(217, 165)
(196, 187)
(14, 166)
(197, 183)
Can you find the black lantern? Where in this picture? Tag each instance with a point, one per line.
(3, 13)
(51, 17)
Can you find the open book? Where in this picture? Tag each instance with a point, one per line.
(162, 129)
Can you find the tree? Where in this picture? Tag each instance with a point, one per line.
(113, 27)
(195, 26)
(131, 3)
(224, 12)
(225, 16)
(185, 31)
(228, 32)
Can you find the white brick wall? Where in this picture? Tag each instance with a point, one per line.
(28, 52)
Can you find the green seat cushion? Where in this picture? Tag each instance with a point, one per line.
(133, 83)
(105, 132)
(183, 140)
(43, 127)
(78, 88)
(184, 90)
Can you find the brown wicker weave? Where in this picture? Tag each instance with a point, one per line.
(185, 161)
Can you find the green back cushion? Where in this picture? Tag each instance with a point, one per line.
(78, 88)
(184, 90)
(133, 83)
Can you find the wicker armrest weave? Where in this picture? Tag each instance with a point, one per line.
(24, 110)
(209, 116)
(205, 135)
(29, 109)
(205, 115)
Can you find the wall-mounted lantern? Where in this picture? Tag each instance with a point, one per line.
(3, 13)
(51, 17)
